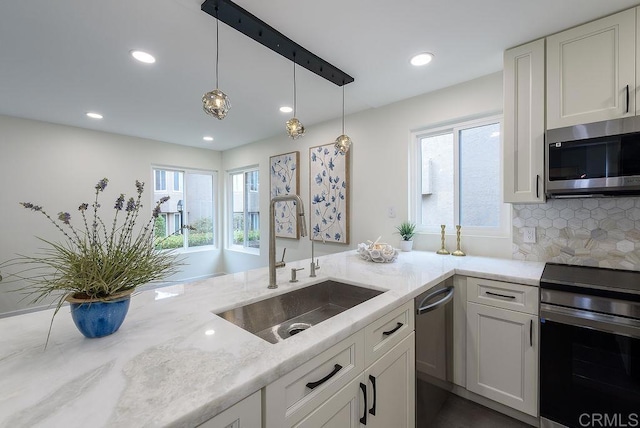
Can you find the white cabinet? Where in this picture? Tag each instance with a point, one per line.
(591, 71)
(343, 410)
(370, 374)
(502, 344)
(244, 414)
(391, 387)
(523, 140)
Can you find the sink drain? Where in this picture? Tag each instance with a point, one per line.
(297, 328)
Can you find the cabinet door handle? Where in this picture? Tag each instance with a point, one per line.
(501, 295)
(363, 419)
(627, 99)
(390, 332)
(537, 185)
(531, 333)
(372, 410)
(315, 384)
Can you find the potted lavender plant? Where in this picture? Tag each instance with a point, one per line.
(98, 264)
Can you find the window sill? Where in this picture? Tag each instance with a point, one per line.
(244, 250)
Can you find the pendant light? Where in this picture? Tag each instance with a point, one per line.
(216, 103)
(295, 129)
(343, 142)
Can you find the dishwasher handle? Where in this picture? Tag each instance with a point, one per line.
(422, 308)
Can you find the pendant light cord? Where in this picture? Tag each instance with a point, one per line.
(294, 84)
(342, 108)
(217, 46)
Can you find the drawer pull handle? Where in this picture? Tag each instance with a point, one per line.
(531, 333)
(390, 332)
(627, 99)
(363, 419)
(372, 410)
(501, 295)
(336, 369)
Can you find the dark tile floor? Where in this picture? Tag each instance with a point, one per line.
(457, 412)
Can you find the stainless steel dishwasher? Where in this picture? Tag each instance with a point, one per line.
(434, 351)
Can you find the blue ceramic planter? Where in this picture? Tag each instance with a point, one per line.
(99, 318)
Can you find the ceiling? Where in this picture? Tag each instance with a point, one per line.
(60, 59)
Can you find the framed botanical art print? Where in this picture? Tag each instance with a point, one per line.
(285, 180)
(329, 194)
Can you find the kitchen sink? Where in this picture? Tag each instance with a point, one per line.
(280, 317)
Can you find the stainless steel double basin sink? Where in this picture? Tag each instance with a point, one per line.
(278, 318)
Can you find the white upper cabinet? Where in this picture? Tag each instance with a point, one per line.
(523, 140)
(591, 71)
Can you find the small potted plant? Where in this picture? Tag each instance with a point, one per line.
(407, 231)
(98, 264)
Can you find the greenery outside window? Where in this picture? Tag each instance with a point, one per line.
(191, 202)
(244, 202)
(456, 178)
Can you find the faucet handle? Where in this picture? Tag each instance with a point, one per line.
(281, 263)
(293, 274)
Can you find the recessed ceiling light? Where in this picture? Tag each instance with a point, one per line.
(94, 115)
(142, 56)
(207, 138)
(286, 109)
(423, 58)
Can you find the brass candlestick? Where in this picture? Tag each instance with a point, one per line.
(458, 251)
(442, 250)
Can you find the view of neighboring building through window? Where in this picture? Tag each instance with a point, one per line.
(160, 179)
(458, 179)
(190, 203)
(245, 209)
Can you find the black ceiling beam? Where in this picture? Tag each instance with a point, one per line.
(249, 25)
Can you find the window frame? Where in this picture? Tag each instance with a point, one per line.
(185, 248)
(415, 178)
(249, 187)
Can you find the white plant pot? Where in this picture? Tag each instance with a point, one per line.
(406, 245)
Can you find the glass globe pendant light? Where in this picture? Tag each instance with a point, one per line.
(343, 142)
(295, 129)
(216, 103)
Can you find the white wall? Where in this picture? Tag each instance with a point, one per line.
(379, 169)
(56, 166)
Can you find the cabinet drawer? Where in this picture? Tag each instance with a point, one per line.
(292, 396)
(507, 295)
(387, 331)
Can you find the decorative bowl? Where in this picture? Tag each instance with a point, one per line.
(377, 252)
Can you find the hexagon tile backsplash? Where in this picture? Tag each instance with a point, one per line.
(602, 232)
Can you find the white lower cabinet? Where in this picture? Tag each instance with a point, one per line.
(388, 387)
(351, 393)
(392, 387)
(343, 410)
(244, 414)
(502, 356)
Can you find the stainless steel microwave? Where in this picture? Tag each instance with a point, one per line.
(595, 159)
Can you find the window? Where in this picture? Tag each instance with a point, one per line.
(177, 182)
(160, 179)
(245, 210)
(190, 203)
(457, 178)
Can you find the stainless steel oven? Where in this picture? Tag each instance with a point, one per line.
(589, 347)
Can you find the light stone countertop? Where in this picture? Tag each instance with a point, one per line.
(161, 369)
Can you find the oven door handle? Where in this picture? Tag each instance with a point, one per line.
(593, 320)
(422, 308)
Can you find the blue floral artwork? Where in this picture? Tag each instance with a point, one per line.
(285, 177)
(329, 193)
